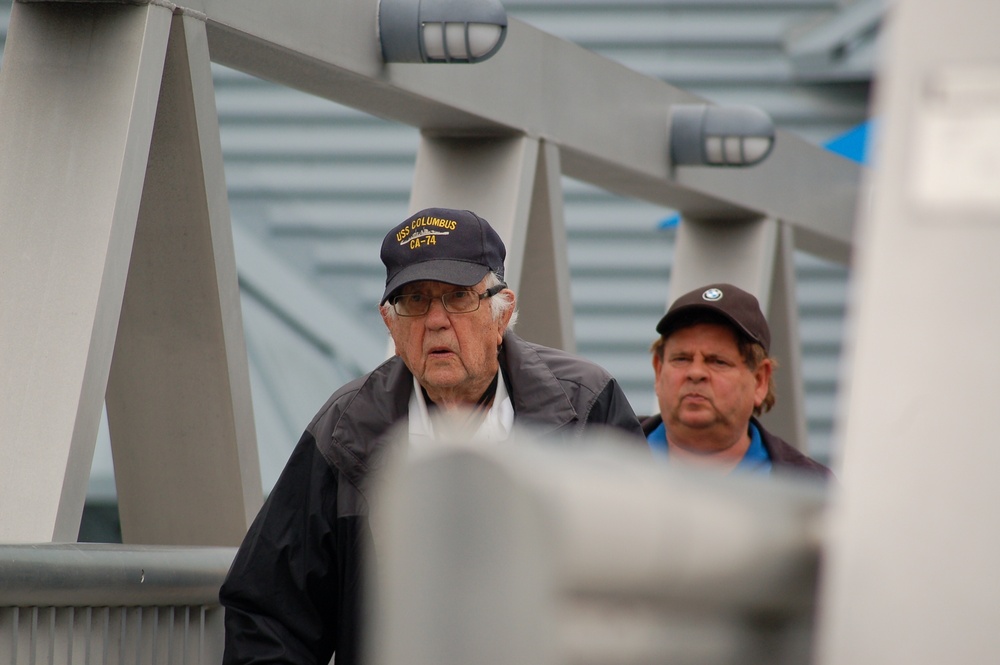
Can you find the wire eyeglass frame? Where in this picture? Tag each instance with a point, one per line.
(454, 302)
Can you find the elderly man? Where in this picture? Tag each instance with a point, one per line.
(713, 376)
(292, 595)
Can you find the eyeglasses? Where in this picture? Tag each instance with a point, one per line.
(455, 302)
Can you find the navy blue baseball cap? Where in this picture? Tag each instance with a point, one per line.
(443, 245)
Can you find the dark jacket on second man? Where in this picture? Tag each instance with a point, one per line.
(784, 456)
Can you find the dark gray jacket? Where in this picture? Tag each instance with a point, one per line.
(294, 590)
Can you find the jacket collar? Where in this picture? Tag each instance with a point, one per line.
(539, 398)
(539, 401)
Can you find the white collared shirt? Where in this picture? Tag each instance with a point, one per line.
(495, 427)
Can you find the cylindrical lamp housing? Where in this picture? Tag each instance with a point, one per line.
(704, 135)
(465, 31)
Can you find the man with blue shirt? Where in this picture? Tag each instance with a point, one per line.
(713, 377)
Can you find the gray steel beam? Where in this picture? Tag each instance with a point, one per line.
(788, 416)
(741, 253)
(78, 93)
(609, 122)
(911, 574)
(545, 303)
(178, 400)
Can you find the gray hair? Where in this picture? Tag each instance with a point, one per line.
(499, 303)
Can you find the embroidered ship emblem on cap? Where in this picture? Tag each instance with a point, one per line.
(712, 295)
(420, 234)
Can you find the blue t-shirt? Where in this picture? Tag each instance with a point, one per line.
(755, 460)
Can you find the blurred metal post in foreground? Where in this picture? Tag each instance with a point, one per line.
(542, 554)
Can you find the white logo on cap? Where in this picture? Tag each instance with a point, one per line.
(712, 295)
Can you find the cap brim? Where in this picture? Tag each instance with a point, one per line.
(459, 273)
(664, 327)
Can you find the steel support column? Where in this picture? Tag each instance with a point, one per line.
(78, 93)
(788, 416)
(179, 406)
(545, 302)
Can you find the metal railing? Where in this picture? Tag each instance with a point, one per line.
(101, 604)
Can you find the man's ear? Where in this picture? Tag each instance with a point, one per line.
(762, 379)
(505, 317)
(510, 310)
(388, 320)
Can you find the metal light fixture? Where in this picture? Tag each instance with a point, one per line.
(719, 135)
(440, 30)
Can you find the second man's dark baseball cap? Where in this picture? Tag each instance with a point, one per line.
(731, 302)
